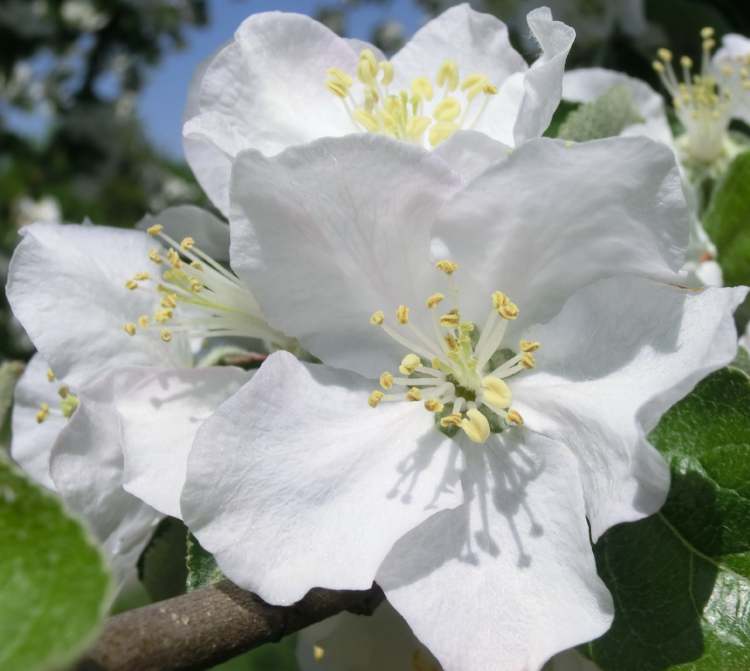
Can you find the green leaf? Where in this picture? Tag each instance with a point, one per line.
(681, 579)
(10, 371)
(727, 221)
(161, 566)
(54, 586)
(201, 566)
(742, 361)
(607, 116)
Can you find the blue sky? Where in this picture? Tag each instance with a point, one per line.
(163, 98)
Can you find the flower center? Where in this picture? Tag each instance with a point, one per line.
(702, 103)
(459, 371)
(66, 406)
(198, 296)
(430, 111)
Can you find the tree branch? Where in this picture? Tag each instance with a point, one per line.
(210, 625)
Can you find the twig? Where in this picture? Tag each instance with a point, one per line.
(210, 625)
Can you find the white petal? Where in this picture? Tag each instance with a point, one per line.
(297, 482)
(470, 153)
(512, 570)
(477, 42)
(160, 411)
(734, 48)
(587, 84)
(86, 467)
(618, 355)
(571, 660)
(537, 227)
(211, 234)
(328, 233)
(266, 91)
(348, 642)
(66, 285)
(31, 441)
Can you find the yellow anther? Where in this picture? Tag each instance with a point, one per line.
(409, 364)
(529, 345)
(402, 314)
(63, 391)
(50, 375)
(514, 417)
(174, 258)
(143, 321)
(451, 342)
(197, 265)
(665, 55)
(154, 255)
(318, 653)
(422, 87)
(448, 109)
(496, 393)
(448, 267)
(163, 316)
(169, 301)
(367, 67)
(434, 300)
(658, 66)
(42, 413)
(69, 405)
(528, 360)
(450, 420)
(433, 405)
(129, 328)
(131, 284)
(377, 318)
(489, 89)
(386, 68)
(196, 285)
(337, 89)
(440, 131)
(165, 335)
(414, 394)
(417, 126)
(474, 84)
(499, 299)
(450, 319)
(707, 33)
(375, 398)
(187, 243)
(155, 229)
(386, 380)
(708, 45)
(508, 311)
(447, 75)
(476, 426)
(338, 76)
(142, 277)
(686, 62)
(366, 119)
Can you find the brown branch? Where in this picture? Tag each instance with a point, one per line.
(210, 625)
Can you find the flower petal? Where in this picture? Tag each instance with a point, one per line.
(309, 485)
(537, 227)
(328, 233)
(618, 355)
(211, 234)
(734, 50)
(477, 42)
(512, 570)
(87, 468)
(470, 153)
(32, 441)
(66, 285)
(587, 84)
(356, 643)
(160, 410)
(266, 91)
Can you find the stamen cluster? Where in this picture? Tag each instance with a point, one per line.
(67, 405)
(456, 372)
(431, 110)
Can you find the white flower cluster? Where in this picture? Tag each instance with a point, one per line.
(471, 329)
